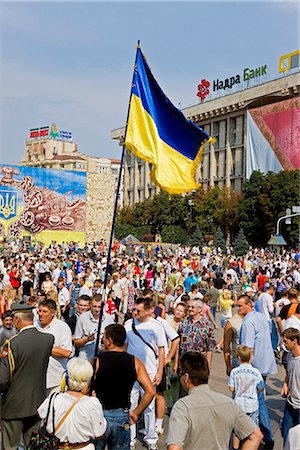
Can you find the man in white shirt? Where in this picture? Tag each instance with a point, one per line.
(265, 302)
(146, 340)
(233, 274)
(63, 299)
(87, 327)
(62, 347)
(84, 288)
(91, 277)
(116, 286)
(125, 286)
(55, 275)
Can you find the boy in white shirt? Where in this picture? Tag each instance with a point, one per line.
(245, 381)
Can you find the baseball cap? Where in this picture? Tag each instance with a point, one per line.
(249, 289)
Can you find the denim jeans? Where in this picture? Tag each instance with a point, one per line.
(274, 335)
(264, 418)
(213, 310)
(117, 435)
(291, 418)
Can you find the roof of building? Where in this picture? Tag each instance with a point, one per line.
(131, 238)
(276, 239)
(67, 157)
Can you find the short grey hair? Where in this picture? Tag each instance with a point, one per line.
(26, 316)
(80, 372)
(198, 301)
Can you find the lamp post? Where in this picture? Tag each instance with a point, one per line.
(285, 217)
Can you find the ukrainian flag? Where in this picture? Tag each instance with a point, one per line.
(159, 133)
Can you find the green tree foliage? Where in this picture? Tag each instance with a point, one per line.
(219, 240)
(264, 199)
(240, 244)
(174, 234)
(196, 238)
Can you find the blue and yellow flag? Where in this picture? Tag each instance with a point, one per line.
(159, 133)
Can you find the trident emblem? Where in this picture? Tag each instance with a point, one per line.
(8, 204)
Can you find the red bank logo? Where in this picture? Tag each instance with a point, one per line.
(203, 89)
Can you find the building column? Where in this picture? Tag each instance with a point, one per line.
(212, 166)
(229, 165)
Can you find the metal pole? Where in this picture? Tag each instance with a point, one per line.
(112, 230)
(284, 217)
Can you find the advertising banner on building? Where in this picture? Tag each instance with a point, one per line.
(273, 137)
(46, 204)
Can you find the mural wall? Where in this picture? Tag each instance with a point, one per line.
(46, 204)
(273, 137)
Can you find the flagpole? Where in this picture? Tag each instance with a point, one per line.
(112, 230)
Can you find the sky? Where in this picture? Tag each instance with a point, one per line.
(71, 62)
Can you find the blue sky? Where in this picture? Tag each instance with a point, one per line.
(71, 62)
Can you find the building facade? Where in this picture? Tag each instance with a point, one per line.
(59, 153)
(224, 118)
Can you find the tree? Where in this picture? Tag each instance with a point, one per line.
(196, 239)
(251, 216)
(265, 199)
(174, 234)
(219, 240)
(240, 244)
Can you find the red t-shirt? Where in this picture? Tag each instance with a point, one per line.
(14, 281)
(261, 282)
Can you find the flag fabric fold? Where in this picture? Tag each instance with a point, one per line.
(159, 133)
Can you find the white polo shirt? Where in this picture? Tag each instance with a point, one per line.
(63, 339)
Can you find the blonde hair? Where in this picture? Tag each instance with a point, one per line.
(243, 352)
(161, 298)
(80, 372)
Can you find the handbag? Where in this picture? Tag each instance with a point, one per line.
(42, 439)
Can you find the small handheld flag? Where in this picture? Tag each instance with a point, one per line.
(159, 133)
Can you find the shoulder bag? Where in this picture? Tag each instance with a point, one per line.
(41, 439)
(144, 340)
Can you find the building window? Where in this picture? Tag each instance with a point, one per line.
(233, 140)
(216, 132)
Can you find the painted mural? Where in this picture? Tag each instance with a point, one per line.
(47, 204)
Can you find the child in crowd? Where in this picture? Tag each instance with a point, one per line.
(245, 381)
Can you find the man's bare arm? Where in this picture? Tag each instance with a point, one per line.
(173, 350)
(145, 382)
(161, 363)
(60, 352)
(253, 441)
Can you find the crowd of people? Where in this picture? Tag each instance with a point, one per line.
(155, 342)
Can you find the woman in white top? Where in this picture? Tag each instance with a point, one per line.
(85, 421)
